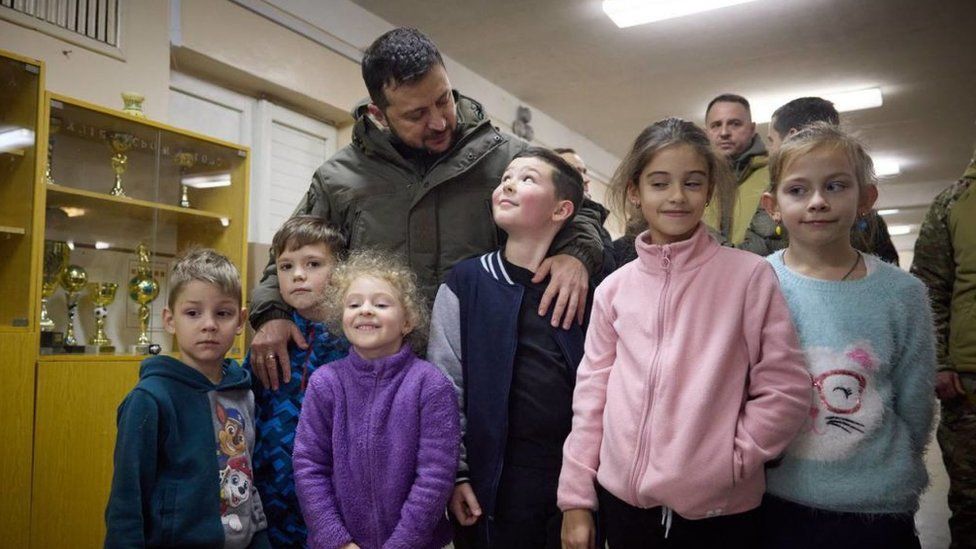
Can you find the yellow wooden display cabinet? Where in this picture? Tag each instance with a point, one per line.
(62, 216)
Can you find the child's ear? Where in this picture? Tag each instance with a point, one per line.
(768, 202)
(633, 193)
(564, 209)
(869, 195)
(241, 320)
(408, 326)
(168, 321)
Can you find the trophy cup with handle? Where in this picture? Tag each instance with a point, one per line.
(73, 280)
(185, 161)
(102, 295)
(120, 143)
(56, 255)
(143, 289)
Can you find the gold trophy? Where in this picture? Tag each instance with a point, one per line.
(120, 142)
(56, 255)
(73, 280)
(102, 295)
(143, 289)
(185, 161)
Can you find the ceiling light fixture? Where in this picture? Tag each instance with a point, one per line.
(889, 211)
(845, 101)
(899, 230)
(628, 13)
(886, 166)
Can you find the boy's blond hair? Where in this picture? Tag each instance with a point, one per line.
(206, 265)
(303, 230)
(391, 270)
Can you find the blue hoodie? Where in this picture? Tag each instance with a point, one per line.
(182, 461)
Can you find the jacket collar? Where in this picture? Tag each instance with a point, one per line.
(752, 159)
(678, 256)
(371, 138)
(381, 368)
(493, 265)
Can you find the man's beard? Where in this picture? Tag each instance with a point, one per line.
(397, 140)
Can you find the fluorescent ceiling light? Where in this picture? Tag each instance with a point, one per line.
(17, 138)
(889, 211)
(627, 13)
(899, 230)
(99, 245)
(886, 166)
(206, 181)
(844, 101)
(870, 98)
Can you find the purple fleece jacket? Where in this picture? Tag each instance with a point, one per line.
(376, 453)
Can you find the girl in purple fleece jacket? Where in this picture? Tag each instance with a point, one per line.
(376, 449)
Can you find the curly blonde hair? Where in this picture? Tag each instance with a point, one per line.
(393, 271)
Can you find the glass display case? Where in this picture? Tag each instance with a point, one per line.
(124, 196)
(21, 147)
(20, 98)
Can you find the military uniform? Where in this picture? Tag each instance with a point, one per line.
(945, 259)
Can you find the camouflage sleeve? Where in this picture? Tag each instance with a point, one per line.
(934, 265)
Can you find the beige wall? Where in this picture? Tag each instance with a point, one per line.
(96, 77)
(289, 67)
(216, 41)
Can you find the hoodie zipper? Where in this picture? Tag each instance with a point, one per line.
(637, 475)
(369, 454)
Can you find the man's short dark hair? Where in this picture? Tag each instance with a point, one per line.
(563, 150)
(803, 111)
(401, 55)
(566, 180)
(729, 98)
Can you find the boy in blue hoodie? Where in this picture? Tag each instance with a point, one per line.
(515, 370)
(186, 431)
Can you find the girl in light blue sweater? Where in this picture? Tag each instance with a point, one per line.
(853, 476)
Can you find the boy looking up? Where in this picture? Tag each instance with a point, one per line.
(186, 431)
(514, 371)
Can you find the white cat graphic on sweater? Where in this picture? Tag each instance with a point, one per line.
(846, 407)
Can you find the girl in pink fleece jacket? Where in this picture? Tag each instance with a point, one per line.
(693, 378)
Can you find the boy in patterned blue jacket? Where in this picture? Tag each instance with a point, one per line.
(306, 249)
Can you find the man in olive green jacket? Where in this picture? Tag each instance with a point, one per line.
(417, 181)
(945, 259)
(728, 122)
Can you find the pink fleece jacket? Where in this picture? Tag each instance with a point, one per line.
(693, 379)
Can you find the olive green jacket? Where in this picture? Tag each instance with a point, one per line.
(752, 177)
(945, 259)
(433, 218)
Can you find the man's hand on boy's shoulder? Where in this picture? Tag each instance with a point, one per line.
(269, 351)
(569, 283)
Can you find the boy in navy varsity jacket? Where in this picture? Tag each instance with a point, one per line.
(514, 370)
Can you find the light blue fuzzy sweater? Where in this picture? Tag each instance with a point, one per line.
(870, 351)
